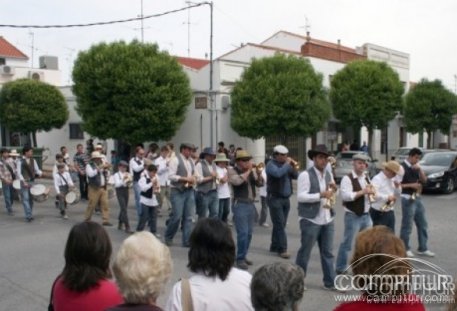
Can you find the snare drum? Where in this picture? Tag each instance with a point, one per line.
(17, 184)
(72, 197)
(39, 192)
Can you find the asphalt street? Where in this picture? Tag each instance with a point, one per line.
(31, 254)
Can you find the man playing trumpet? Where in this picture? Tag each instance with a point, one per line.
(382, 210)
(315, 196)
(355, 192)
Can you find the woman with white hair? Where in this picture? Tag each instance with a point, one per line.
(142, 268)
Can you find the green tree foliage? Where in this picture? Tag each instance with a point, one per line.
(429, 106)
(132, 92)
(279, 95)
(28, 106)
(366, 93)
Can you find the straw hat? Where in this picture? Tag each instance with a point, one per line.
(13, 153)
(221, 157)
(96, 155)
(243, 154)
(392, 166)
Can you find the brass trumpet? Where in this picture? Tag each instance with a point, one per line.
(128, 179)
(372, 196)
(330, 202)
(332, 162)
(389, 204)
(416, 193)
(295, 164)
(259, 167)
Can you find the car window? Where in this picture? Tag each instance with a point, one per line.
(438, 159)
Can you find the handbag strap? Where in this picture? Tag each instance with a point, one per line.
(186, 296)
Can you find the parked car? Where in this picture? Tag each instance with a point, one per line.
(441, 170)
(344, 164)
(402, 153)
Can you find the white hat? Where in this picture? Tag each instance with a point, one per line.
(280, 149)
(96, 155)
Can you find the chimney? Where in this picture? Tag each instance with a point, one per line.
(308, 37)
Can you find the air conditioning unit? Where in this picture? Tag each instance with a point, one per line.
(6, 70)
(36, 75)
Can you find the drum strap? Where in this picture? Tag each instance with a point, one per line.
(13, 176)
(61, 176)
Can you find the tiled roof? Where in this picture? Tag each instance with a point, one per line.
(9, 50)
(194, 63)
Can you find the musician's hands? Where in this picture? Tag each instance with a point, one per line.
(327, 194)
(391, 198)
(368, 190)
(416, 186)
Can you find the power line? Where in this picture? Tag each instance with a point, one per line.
(108, 22)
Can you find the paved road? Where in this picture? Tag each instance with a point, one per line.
(31, 254)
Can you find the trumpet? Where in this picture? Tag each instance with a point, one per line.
(372, 196)
(155, 185)
(128, 179)
(332, 162)
(259, 167)
(295, 164)
(389, 204)
(330, 202)
(416, 193)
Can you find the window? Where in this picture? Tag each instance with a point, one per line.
(2, 61)
(75, 131)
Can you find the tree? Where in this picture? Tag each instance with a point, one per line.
(132, 92)
(28, 106)
(366, 93)
(279, 95)
(429, 106)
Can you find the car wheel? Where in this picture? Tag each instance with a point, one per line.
(450, 184)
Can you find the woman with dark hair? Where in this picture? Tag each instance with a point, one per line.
(84, 283)
(215, 284)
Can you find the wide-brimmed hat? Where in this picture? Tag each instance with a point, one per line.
(280, 149)
(320, 149)
(392, 166)
(13, 153)
(208, 151)
(242, 154)
(361, 157)
(221, 157)
(96, 155)
(98, 146)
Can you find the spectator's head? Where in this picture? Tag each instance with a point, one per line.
(87, 256)
(27, 151)
(414, 155)
(59, 157)
(277, 287)
(212, 249)
(377, 252)
(63, 150)
(142, 268)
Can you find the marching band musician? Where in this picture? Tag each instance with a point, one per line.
(223, 189)
(162, 172)
(355, 191)
(7, 175)
(382, 210)
(121, 184)
(149, 186)
(136, 165)
(62, 183)
(97, 174)
(27, 171)
(243, 179)
(207, 198)
(315, 188)
(182, 178)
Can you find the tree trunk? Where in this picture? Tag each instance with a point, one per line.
(34, 144)
(370, 142)
(429, 139)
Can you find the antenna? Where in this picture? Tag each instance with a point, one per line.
(307, 25)
(142, 22)
(188, 27)
(32, 36)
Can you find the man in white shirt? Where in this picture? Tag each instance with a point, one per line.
(97, 175)
(62, 184)
(387, 190)
(162, 172)
(223, 189)
(27, 171)
(207, 199)
(315, 187)
(136, 166)
(355, 192)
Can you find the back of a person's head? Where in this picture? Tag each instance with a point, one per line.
(378, 251)
(212, 249)
(142, 268)
(87, 256)
(277, 287)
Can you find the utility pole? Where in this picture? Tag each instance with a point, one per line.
(142, 23)
(188, 28)
(32, 35)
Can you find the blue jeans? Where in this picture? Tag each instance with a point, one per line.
(383, 218)
(279, 211)
(224, 209)
(182, 207)
(413, 211)
(352, 225)
(243, 218)
(137, 193)
(207, 202)
(27, 201)
(8, 194)
(323, 234)
(263, 210)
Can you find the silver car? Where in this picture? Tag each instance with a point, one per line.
(344, 164)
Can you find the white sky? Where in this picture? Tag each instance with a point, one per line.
(424, 29)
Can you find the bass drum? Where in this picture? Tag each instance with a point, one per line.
(39, 192)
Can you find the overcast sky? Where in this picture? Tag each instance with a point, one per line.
(424, 29)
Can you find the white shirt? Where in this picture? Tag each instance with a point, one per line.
(348, 194)
(162, 170)
(135, 167)
(19, 168)
(263, 189)
(211, 293)
(145, 187)
(119, 180)
(173, 167)
(223, 190)
(90, 172)
(199, 171)
(385, 187)
(59, 180)
(323, 217)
